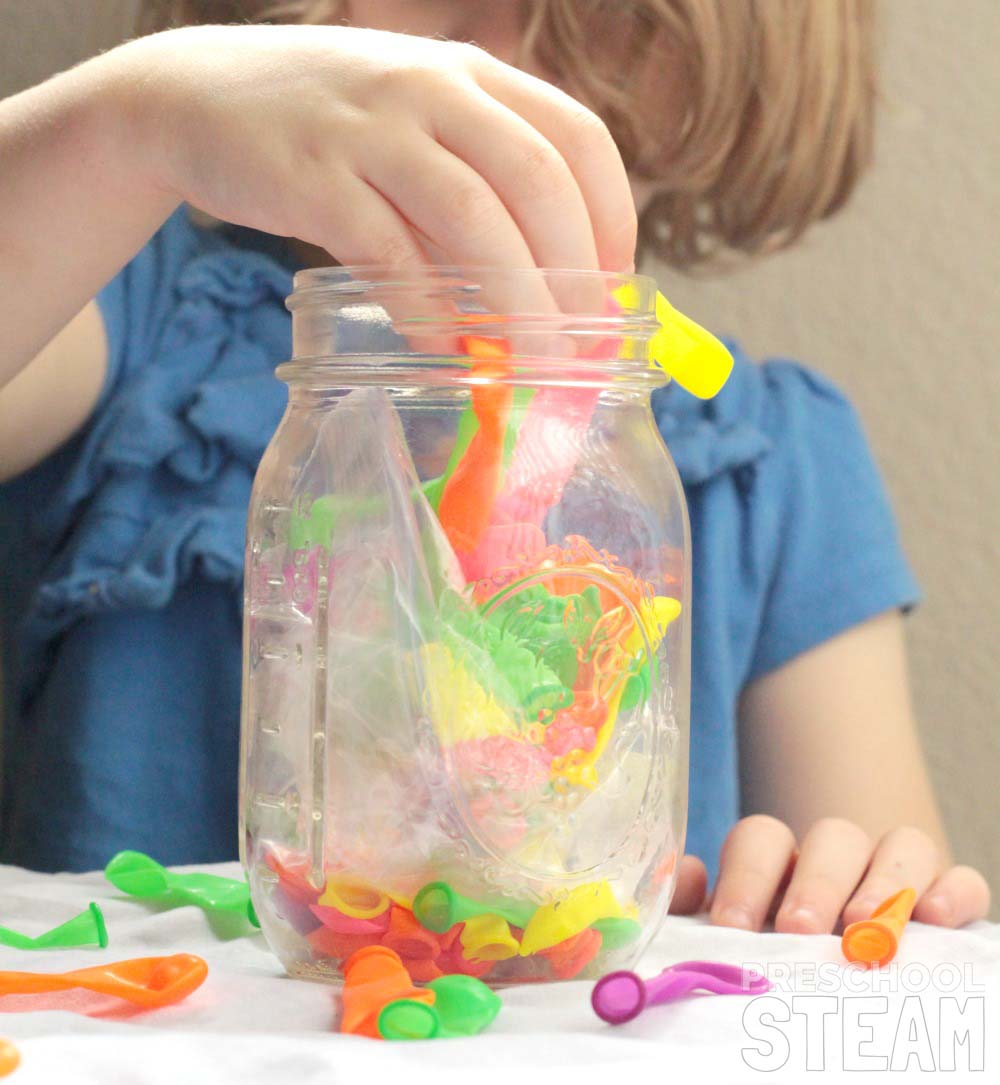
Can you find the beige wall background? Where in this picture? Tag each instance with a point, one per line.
(898, 299)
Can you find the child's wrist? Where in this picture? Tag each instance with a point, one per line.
(128, 121)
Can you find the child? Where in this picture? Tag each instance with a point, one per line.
(132, 423)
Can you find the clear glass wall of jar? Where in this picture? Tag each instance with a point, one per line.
(466, 665)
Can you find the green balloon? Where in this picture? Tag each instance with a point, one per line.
(85, 929)
(505, 663)
(463, 1006)
(617, 931)
(407, 1019)
(139, 876)
(438, 908)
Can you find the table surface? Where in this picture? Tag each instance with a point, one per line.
(250, 1023)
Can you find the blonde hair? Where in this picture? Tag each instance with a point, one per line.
(776, 100)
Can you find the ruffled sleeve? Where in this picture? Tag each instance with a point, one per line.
(834, 557)
(718, 438)
(158, 490)
(794, 536)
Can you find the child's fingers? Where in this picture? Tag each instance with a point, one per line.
(529, 175)
(589, 150)
(904, 858)
(832, 859)
(356, 224)
(447, 201)
(692, 881)
(755, 858)
(960, 895)
(461, 218)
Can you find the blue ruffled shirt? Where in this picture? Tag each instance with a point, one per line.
(123, 561)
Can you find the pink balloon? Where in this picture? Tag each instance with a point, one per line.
(501, 545)
(336, 921)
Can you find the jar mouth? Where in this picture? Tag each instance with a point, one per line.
(549, 324)
(575, 291)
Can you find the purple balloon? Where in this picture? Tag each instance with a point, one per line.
(620, 996)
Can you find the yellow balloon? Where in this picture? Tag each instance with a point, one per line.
(655, 616)
(459, 706)
(692, 356)
(488, 938)
(354, 897)
(568, 915)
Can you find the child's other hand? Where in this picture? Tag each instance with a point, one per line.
(836, 876)
(379, 148)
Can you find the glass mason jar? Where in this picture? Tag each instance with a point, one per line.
(467, 629)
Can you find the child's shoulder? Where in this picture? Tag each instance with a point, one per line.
(818, 468)
(785, 398)
(153, 490)
(773, 420)
(815, 435)
(788, 507)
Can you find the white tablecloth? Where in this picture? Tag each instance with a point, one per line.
(249, 1023)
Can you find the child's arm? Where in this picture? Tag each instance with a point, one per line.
(832, 734)
(76, 202)
(75, 205)
(831, 758)
(378, 148)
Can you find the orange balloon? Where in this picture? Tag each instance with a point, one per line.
(874, 941)
(454, 963)
(447, 940)
(144, 981)
(467, 498)
(328, 943)
(567, 959)
(481, 346)
(10, 1058)
(422, 969)
(408, 937)
(373, 977)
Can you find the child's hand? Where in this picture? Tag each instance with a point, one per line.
(377, 148)
(380, 148)
(837, 876)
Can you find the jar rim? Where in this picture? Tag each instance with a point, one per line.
(313, 284)
(558, 325)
